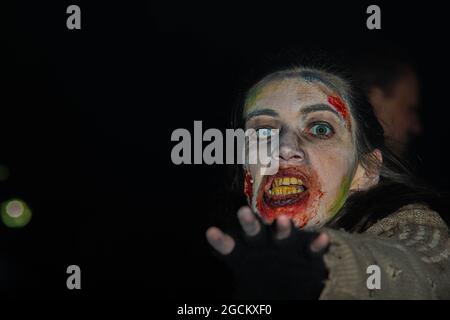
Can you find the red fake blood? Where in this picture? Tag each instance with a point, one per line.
(248, 186)
(340, 107)
(302, 209)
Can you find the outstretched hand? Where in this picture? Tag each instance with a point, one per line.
(272, 262)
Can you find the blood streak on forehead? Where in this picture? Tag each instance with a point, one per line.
(340, 107)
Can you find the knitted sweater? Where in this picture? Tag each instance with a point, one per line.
(411, 248)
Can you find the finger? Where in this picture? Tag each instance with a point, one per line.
(320, 243)
(248, 221)
(220, 241)
(283, 228)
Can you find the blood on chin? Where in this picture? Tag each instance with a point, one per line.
(297, 211)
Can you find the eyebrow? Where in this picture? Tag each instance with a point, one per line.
(262, 112)
(320, 107)
(304, 111)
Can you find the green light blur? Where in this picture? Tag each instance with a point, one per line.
(15, 213)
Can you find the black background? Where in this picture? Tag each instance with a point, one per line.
(87, 116)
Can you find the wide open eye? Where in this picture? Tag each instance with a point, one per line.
(265, 132)
(321, 130)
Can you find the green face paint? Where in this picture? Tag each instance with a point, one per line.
(341, 197)
(252, 95)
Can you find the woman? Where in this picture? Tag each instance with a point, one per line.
(341, 219)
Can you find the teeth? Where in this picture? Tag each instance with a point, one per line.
(285, 190)
(286, 181)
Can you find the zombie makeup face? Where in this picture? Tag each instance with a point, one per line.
(317, 152)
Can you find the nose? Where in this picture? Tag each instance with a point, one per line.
(291, 152)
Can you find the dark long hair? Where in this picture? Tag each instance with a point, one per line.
(397, 186)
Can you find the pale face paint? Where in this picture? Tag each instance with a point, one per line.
(316, 146)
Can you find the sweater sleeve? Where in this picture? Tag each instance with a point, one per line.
(411, 248)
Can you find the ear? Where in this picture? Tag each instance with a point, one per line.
(368, 176)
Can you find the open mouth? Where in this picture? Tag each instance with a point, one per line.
(293, 192)
(285, 189)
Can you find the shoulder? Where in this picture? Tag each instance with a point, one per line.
(416, 214)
